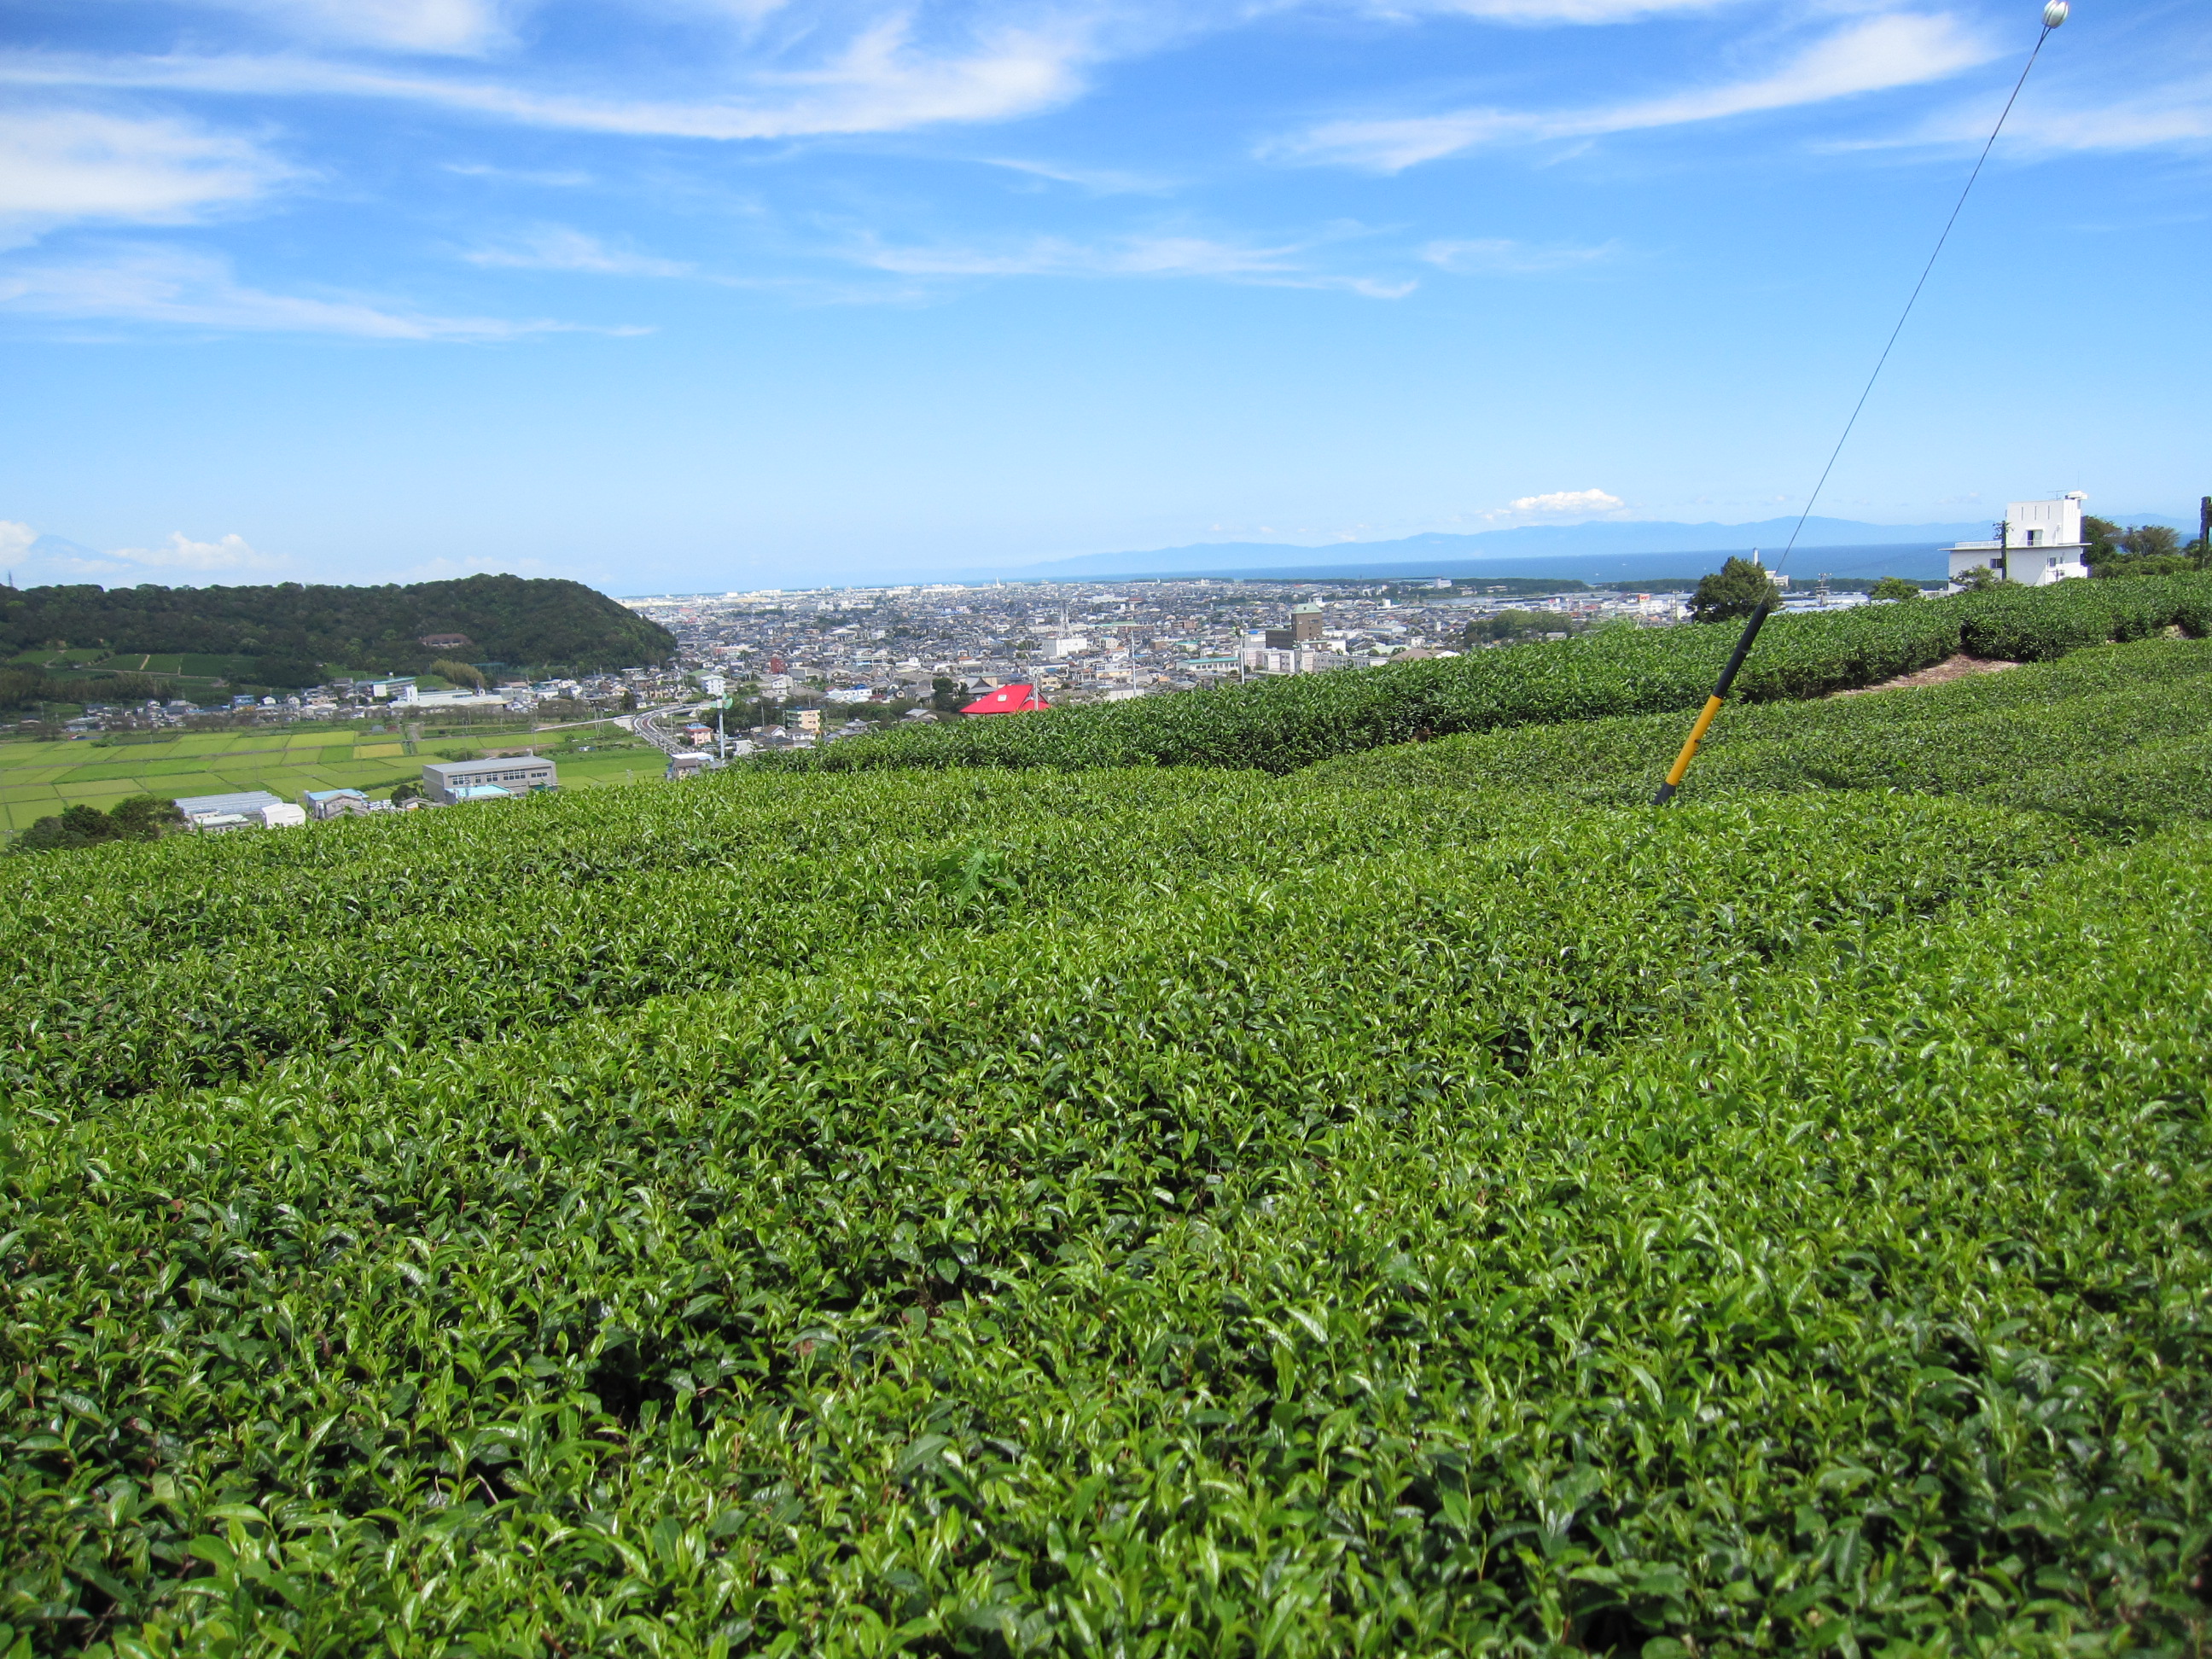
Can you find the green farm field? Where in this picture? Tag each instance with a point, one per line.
(38, 779)
(1425, 1201)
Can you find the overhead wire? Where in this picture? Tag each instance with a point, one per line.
(2055, 13)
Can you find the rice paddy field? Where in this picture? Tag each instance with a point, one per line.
(1424, 1201)
(38, 779)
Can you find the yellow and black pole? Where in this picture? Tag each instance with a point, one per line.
(1750, 628)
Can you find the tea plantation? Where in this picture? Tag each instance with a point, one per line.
(1424, 1202)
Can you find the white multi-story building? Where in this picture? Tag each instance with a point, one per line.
(2037, 542)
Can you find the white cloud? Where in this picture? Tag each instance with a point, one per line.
(552, 178)
(1569, 501)
(1099, 181)
(474, 565)
(879, 80)
(417, 26)
(15, 540)
(2167, 116)
(1897, 50)
(557, 247)
(59, 164)
(1501, 257)
(166, 286)
(2066, 119)
(179, 554)
(1550, 11)
(1149, 255)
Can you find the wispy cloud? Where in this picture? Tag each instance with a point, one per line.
(411, 26)
(2174, 114)
(1547, 12)
(177, 289)
(880, 80)
(559, 248)
(1098, 181)
(1156, 255)
(60, 164)
(550, 178)
(1899, 50)
(1498, 256)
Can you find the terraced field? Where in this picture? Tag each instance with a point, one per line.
(1426, 1202)
(38, 779)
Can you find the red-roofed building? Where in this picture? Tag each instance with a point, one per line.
(1007, 700)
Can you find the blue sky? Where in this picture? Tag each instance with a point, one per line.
(726, 293)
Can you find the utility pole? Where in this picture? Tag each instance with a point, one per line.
(2204, 530)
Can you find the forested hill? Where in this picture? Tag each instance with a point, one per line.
(512, 620)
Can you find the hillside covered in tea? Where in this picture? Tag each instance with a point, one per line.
(1413, 1197)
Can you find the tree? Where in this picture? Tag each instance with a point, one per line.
(2151, 541)
(946, 696)
(1895, 587)
(2145, 550)
(459, 673)
(287, 673)
(77, 826)
(511, 618)
(140, 817)
(404, 792)
(2102, 535)
(1510, 624)
(145, 817)
(1736, 589)
(1981, 576)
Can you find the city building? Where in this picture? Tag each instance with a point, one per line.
(2037, 542)
(337, 804)
(1007, 700)
(1305, 628)
(456, 699)
(246, 809)
(445, 781)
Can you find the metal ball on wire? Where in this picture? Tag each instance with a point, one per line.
(2055, 13)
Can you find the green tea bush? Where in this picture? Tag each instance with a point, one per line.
(1410, 1207)
(2119, 737)
(1281, 725)
(1614, 1254)
(125, 972)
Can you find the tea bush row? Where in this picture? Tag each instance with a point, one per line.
(206, 958)
(2118, 738)
(1773, 1225)
(1281, 725)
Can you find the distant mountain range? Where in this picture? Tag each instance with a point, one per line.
(1609, 550)
(1606, 551)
